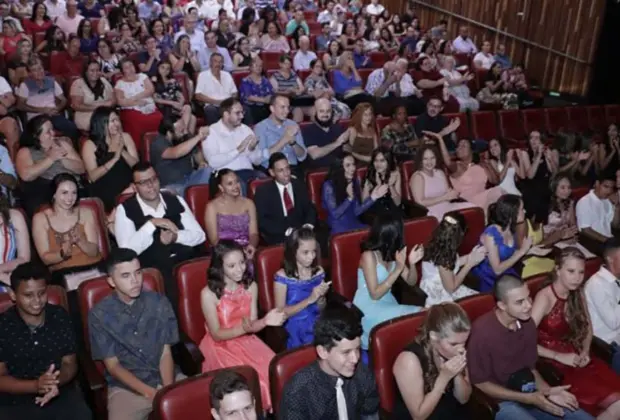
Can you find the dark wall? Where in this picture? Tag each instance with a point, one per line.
(605, 85)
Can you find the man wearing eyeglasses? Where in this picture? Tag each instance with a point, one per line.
(158, 226)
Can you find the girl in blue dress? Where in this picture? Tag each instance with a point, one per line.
(500, 242)
(384, 259)
(300, 286)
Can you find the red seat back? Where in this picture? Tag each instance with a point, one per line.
(271, 60)
(254, 184)
(463, 132)
(382, 122)
(612, 114)
(183, 81)
(197, 197)
(283, 367)
(191, 278)
(121, 198)
(147, 140)
(183, 399)
(592, 266)
(578, 118)
(364, 73)
(238, 76)
(345, 254)
(510, 125)
(578, 192)
(387, 341)
(378, 59)
(484, 126)
(534, 120)
(477, 305)
(56, 295)
(268, 262)
(475, 222)
(596, 118)
(419, 231)
(315, 180)
(557, 118)
(406, 172)
(534, 283)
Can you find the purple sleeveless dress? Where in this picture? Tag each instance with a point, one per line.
(235, 227)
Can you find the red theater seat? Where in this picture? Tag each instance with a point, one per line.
(578, 118)
(475, 221)
(596, 118)
(271, 60)
(191, 278)
(238, 76)
(253, 186)
(477, 305)
(283, 367)
(147, 140)
(612, 114)
(268, 262)
(184, 399)
(418, 231)
(534, 120)
(557, 119)
(463, 132)
(592, 266)
(378, 59)
(406, 172)
(364, 73)
(382, 122)
(314, 181)
(511, 126)
(579, 192)
(121, 198)
(535, 283)
(387, 341)
(345, 254)
(56, 295)
(484, 125)
(197, 198)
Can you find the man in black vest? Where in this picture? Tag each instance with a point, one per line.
(158, 226)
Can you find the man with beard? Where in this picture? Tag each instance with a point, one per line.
(173, 154)
(502, 354)
(324, 139)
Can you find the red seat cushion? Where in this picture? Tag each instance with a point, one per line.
(56, 295)
(406, 172)
(191, 278)
(475, 222)
(254, 184)
(484, 126)
(284, 366)
(346, 253)
(534, 283)
(557, 119)
(592, 266)
(382, 122)
(463, 132)
(596, 118)
(147, 140)
(578, 118)
(315, 180)
(534, 120)
(477, 305)
(238, 76)
(510, 125)
(197, 197)
(268, 262)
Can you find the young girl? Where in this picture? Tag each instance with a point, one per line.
(229, 304)
(431, 373)
(565, 336)
(502, 167)
(300, 286)
(443, 271)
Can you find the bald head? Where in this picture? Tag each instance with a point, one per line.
(304, 43)
(323, 108)
(402, 65)
(389, 66)
(505, 284)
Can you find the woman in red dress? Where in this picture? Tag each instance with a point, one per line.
(565, 335)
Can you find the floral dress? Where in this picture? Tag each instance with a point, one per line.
(169, 90)
(341, 110)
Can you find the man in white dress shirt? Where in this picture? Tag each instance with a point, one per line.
(55, 8)
(158, 226)
(213, 87)
(603, 298)
(374, 8)
(196, 36)
(463, 43)
(303, 57)
(233, 145)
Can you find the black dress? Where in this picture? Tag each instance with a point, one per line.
(536, 192)
(114, 182)
(448, 407)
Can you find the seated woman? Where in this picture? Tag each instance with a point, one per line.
(109, 61)
(230, 307)
(317, 86)
(387, 41)
(384, 260)
(55, 41)
(229, 215)
(400, 136)
(255, 92)
(433, 84)
(183, 59)
(149, 59)
(125, 43)
(88, 93)
(9, 39)
(382, 170)
(565, 336)
(108, 154)
(42, 157)
(243, 56)
(300, 286)
(134, 92)
(164, 40)
(341, 196)
(286, 82)
(14, 241)
(499, 239)
(562, 207)
(443, 270)
(18, 66)
(609, 150)
(170, 99)
(331, 56)
(457, 85)
(431, 372)
(429, 185)
(9, 127)
(273, 40)
(348, 83)
(87, 37)
(494, 92)
(39, 21)
(363, 137)
(502, 167)
(65, 235)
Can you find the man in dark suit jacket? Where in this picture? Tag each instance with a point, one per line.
(282, 203)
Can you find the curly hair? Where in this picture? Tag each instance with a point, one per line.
(576, 309)
(215, 273)
(442, 319)
(442, 250)
(289, 264)
(419, 157)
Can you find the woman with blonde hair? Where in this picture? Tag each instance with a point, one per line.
(431, 373)
(363, 138)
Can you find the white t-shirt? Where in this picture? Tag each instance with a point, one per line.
(486, 60)
(221, 89)
(134, 88)
(39, 99)
(594, 213)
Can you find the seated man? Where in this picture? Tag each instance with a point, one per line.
(602, 295)
(303, 56)
(213, 87)
(596, 215)
(502, 355)
(38, 361)
(433, 121)
(393, 86)
(282, 203)
(278, 133)
(233, 145)
(231, 397)
(336, 386)
(174, 155)
(131, 331)
(158, 226)
(324, 138)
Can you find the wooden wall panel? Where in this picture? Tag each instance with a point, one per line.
(560, 35)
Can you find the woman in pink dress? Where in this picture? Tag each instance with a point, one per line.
(229, 304)
(429, 185)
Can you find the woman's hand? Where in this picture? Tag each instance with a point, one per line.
(415, 255)
(452, 367)
(526, 245)
(350, 193)
(568, 359)
(476, 256)
(379, 191)
(400, 258)
(275, 318)
(319, 291)
(66, 249)
(451, 195)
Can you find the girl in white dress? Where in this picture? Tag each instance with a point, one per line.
(443, 270)
(503, 164)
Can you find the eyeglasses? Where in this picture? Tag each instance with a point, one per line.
(147, 182)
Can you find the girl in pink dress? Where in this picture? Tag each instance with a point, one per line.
(229, 304)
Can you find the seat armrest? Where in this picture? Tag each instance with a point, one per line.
(187, 355)
(602, 350)
(94, 378)
(335, 299)
(481, 406)
(414, 210)
(549, 373)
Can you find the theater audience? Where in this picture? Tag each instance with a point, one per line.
(602, 295)
(230, 215)
(463, 44)
(132, 331)
(256, 92)
(538, 166)
(502, 359)
(432, 121)
(69, 21)
(363, 138)
(317, 86)
(9, 126)
(88, 93)
(501, 57)
(337, 385)
(434, 85)
(295, 209)
(303, 56)
(15, 237)
(502, 167)
(562, 207)
(499, 239)
(176, 157)
(287, 83)
(609, 151)
(565, 336)
(484, 59)
(209, 48)
(38, 351)
(273, 40)
(231, 397)
(382, 170)
(17, 67)
(229, 304)
(400, 136)
(458, 85)
(151, 56)
(347, 82)
(158, 226)
(384, 260)
(333, 52)
(300, 286)
(39, 20)
(214, 86)
(109, 61)
(596, 215)
(324, 138)
(170, 99)
(431, 372)
(108, 155)
(443, 270)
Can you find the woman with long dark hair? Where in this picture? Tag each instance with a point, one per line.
(88, 93)
(230, 307)
(342, 198)
(108, 154)
(382, 170)
(86, 35)
(384, 260)
(14, 241)
(169, 97)
(502, 167)
(565, 336)
(55, 40)
(431, 372)
(39, 20)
